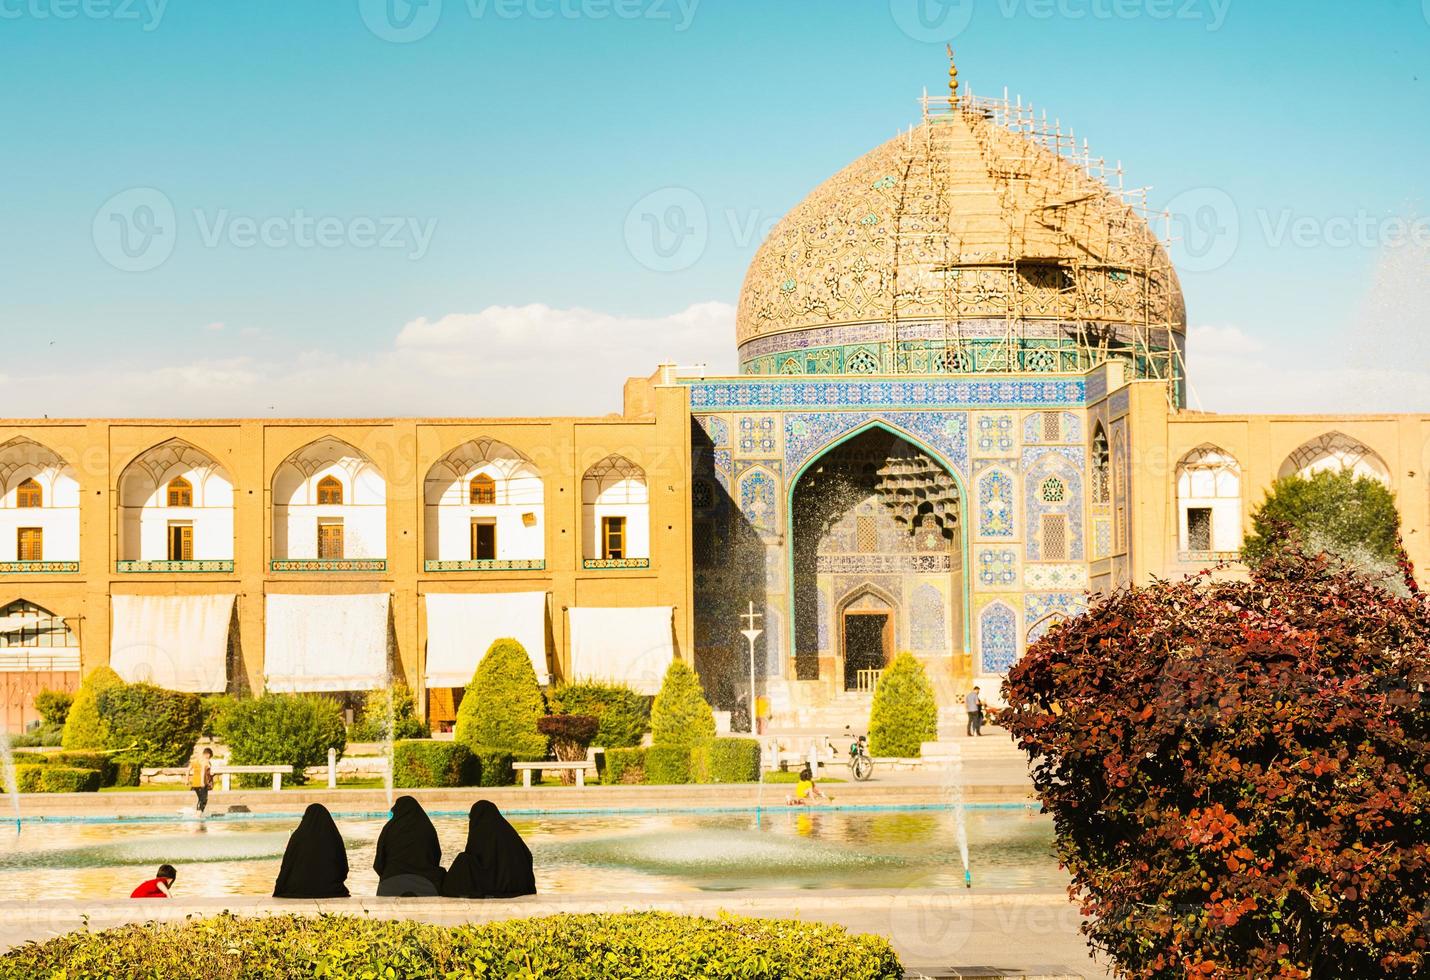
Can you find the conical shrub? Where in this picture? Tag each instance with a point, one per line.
(681, 716)
(503, 704)
(905, 713)
(84, 727)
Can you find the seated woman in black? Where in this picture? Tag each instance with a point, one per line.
(315, 863)
(409, 856)
(496, 862)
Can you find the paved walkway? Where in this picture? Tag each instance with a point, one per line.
(960, 933)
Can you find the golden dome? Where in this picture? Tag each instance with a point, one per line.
(975, 242)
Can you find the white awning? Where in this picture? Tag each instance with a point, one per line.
(626, 646)
(462, 626)
(326, 642)
(175, 641)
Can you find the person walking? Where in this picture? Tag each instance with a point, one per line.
(201, 779)
(973, 703)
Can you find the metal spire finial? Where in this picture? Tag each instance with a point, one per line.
(952, 76)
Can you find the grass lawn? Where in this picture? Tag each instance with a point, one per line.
(793, 777)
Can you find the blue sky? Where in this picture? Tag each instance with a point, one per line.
(480, 167)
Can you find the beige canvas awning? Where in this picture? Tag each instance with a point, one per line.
(175, 641)
(326, 642)
(462, 626)
(631, 646)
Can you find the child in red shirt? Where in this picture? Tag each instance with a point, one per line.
(159, 885)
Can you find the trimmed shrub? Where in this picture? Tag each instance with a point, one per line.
(494, 767)
(726, 760)
(624, 766)
(1345, 514)
(214, 706)
(98, 761)
(591, 947)
(905, 712)
(680, 715)
(424, 763)
(624, 715)
(667, 764)
(283, 729)
(502, 704)
(54, 707)
(41, 736)
(371, 725)
(84, 728)
(1236, 772)
(149, 725)
(56, 779)
(127, 773)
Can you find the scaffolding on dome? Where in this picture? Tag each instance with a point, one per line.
(1074, 229)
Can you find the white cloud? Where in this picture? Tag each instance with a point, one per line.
(502, 361)
(215, 327)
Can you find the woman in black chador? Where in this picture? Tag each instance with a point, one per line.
(496, 862)
(315, 863)
(409, 856)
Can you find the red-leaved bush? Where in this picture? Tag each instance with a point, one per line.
(1239, 773)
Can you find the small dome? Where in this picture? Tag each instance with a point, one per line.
(967, 245)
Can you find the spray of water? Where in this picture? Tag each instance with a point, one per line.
(960, 821)
(12, 782)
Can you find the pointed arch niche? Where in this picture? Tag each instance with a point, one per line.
(39, 509)
(175, 511)
(485, 508)
(329, 510)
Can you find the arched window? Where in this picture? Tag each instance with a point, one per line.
(1336, 451)
(615, 504)
(330, 492)
(181, 492)
(483, 489)
(1208, 502)
(28, 494)
(1101, 467)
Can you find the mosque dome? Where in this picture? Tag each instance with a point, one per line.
(981, 241)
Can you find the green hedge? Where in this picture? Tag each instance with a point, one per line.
(397, 701)
(127, 773)
(494, 767)
(42, 736)
(150, 725)
(624, 715)
(423, 763)
(56, 779)
(283, 729)
(624, 766)
(578, 947)
(84, 728)
(726, 760)
(667, 764)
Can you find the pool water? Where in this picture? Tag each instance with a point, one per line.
(609, 854)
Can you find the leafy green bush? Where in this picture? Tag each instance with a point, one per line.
(667, 764)
(624, 766)
(127, 773)
(84, 728)
(905, 712)
(56, 779)
(371, 725)
(1352, 517)
(149, 725)
(100, 762)
(41, 736)
(494, 767)
(624, 715)
(54, 707)
(502, 704)
(284, 729)
(214, 706)
(681, 715)
(726, 760)
(423, 763)
(581, 947)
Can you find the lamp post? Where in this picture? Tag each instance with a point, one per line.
(752, 633)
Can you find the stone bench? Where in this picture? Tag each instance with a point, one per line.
(579, 768)
(278, 772)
